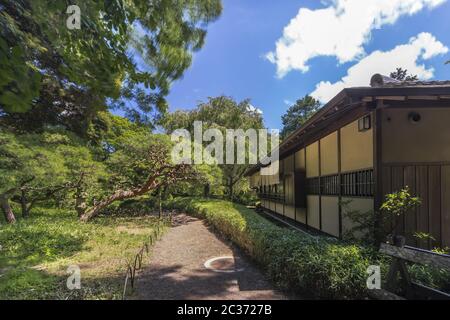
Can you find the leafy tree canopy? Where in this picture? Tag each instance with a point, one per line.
(298, 114)
(221, 113)
(51, 158)
(126, 54)
(43, 167)
(129, 161)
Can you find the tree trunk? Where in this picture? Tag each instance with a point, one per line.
(6, 208)
(230, 190)
(116, 196)
(160, 204)
(206, 190)
(166, 173)
(165, 192)
(88, 214)
(80, 202)
(24, 205)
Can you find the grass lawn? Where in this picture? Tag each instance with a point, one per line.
(35, 254)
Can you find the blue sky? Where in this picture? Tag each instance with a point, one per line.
(324, 44)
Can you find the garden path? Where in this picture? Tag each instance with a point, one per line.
(177, 268)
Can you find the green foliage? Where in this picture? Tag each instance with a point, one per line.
(432, 277)
(130, 164)
(40, 163)
(368, 227)
(399, 203)
(135, 207)
(402, 75)
(363, 224)
(221, 113)
(44, 157)
(58, 167)
(19, 82)
(298, 114)
(66, 76)
(316, 266)
(243, 194)
(445, 250)
(424, 236)
(218, 112)
(36, 252)
(208, 183)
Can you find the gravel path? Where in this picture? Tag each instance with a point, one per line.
(177, 270)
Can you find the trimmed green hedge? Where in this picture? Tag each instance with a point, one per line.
(316, 267)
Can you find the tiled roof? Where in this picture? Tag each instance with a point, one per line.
(380, 81)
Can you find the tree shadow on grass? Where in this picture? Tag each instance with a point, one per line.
(31, 284)
(25, 247)
(30, 247)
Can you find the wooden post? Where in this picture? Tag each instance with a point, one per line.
(398, 266)
(339, 182)
(320, 189)
(377, 176)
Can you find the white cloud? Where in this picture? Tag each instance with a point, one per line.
(252, 108)
(407, 56)
(339, 30)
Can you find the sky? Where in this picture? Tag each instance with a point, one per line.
(275, 52)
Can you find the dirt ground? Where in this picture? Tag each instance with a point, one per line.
(177, 269)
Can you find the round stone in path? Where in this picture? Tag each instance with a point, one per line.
(225, 264)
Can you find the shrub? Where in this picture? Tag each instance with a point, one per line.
(397, 205)
(318, 267)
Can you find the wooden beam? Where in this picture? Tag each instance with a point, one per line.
(399, 91)
(380, 294)
(413, 103)
(429, 293)
(423, 98)
(395, 98)
(417, 256)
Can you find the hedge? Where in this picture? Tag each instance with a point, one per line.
(316, 267)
